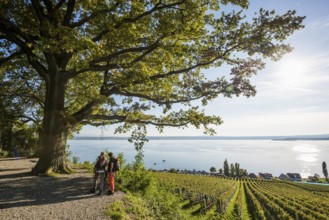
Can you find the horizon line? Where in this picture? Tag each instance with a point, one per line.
(295, 135)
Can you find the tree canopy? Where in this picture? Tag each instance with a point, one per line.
(113, 62)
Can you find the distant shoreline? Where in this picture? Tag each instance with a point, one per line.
(271, 138)
(302, 139)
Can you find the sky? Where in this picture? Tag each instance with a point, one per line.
(292, 94)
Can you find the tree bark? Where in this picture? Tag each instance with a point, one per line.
(0, 140)
(52, 145)
(38, 149)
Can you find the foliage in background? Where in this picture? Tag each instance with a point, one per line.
(4, 153)
(75, 159)
(213, 169)
(325, 170)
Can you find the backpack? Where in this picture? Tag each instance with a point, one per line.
(99, 165)
(116, 166)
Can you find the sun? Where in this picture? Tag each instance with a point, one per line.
(293, 73)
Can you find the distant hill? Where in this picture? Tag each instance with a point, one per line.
(274, 138)
(320, 137)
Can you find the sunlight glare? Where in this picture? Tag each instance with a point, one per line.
(306, 148)
(307, 152)
(308, 158)
(293, 73)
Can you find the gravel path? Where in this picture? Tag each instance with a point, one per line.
(23, 196)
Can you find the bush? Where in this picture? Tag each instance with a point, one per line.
(4, 153)
(133, 177)
(89, 166)
(75, 159)
(30, 152)
(145, 195)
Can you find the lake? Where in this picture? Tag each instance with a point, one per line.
(276, 157)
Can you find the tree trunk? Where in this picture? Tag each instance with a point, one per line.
(52, 143)
(53, 153)
(38, 149)
(6, 138)
(1, 140)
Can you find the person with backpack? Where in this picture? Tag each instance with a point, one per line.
(100, 171)
(113, 166)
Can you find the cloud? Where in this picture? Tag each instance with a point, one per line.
(318, 24)
(279, 123)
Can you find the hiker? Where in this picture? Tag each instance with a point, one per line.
(16, 155)
(113, 166)
(100, 171)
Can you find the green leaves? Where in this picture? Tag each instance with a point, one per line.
(121, 61)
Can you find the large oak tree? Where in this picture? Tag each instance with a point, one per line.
(106, 62)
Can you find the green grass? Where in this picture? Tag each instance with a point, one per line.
(131, 207)
(116, 211)
(230, 212)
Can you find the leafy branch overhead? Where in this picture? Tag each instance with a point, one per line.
(118, 60)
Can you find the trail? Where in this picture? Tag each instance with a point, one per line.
(23, 196)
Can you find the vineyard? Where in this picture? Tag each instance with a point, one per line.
(230, 198)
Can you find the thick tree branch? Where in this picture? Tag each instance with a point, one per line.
(10, 57)
(184, 70)
(120, 119)
(73, 73)
(84, 111)
(8, 26)
(139, 58)
(201, 64)
(24, 94)
(128, 50)
(48, 5)
(159, 100)
(59, 5)
(157, 7)
(92, 16)
(69, 12)
(94, 67)
(80, 115)
(13, 38)
(26, 117)
(38, 9)
(42, 71)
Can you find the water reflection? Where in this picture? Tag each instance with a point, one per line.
(306, 148)
(306, 170)
(309, 158)
(308, 155)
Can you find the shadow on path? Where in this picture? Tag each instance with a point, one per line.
(13, 176)
(19, 188)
